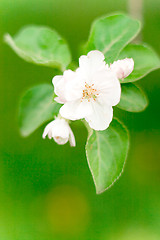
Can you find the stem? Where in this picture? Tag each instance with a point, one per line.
(135, 9)
(90, 130)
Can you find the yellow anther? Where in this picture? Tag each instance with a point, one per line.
(89, 92)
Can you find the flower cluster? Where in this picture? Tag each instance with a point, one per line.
(88, 93)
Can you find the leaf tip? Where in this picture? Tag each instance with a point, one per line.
(6, 38)
(23, 133)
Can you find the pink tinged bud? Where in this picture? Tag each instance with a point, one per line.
(123, 68)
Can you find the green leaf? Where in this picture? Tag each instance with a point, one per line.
(36, 108)
(40, 45)
(145, 61)
(111, 34)
(132, 98)
(106, 154)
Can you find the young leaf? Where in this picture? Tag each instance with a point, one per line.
(132, 98)
(40, 45)
(106, 154)
(36, 108)
(145, 61)
(111, 34)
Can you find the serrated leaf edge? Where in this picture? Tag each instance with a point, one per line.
(89, 135)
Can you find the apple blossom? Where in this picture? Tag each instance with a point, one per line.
(89, 92)
(123, 67)
(60, 131)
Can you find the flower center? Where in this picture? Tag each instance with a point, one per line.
(57, 138)
(89, 92)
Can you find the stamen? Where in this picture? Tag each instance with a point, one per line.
(89, 92)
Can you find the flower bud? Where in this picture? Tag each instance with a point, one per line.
(60, 131)
(123, 68)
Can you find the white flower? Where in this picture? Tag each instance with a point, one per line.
(90, 92)
(123, 67)
(60, 131)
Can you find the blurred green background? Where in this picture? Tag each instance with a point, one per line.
(46, 190)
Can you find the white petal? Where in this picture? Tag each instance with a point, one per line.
(101, 117)
(76, 109)
(61, 129)
(91, 63)
(72, 139)
(108, 87)
(96, 55)
(60, 140)
(59, 100)
(74, 88)
(123, 67)
(50, 134)
(61, 84)
(47, 129)
(56, 80)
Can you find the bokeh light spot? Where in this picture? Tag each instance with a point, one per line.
(67, 210)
